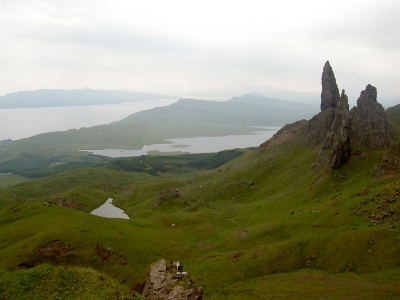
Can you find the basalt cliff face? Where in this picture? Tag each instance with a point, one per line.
(336, 128)
(369, 125)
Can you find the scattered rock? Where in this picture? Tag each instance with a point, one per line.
(235, 257)
(159, 201)
(67, 203)
(242, 234)
(25, 266)
(390, 160)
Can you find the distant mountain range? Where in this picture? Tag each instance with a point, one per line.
(86, 96)
(386, 97)
(249, 109)
(78, 97)
(265, 90)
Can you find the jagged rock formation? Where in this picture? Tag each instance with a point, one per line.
(369, 125)
(317, 128)
(320, 124)
(287, 134)
(330, 91)
(337, 138)
(166, 280)
(335, 128)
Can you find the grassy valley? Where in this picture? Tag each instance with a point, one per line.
(54, 152)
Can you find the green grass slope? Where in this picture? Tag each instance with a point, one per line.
(7, 180)
(265, 223)
(49, 282)
(39, 163)
(246, 110)
(393, 115)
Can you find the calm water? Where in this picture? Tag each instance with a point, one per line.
(196, 145)
(108, 210)
(18, 123)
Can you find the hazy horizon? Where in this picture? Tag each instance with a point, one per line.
(181, 47)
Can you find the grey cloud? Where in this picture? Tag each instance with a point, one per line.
(378, 29)
(114, 40)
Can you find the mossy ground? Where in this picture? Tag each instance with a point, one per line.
(263, 226)
(7, 180)
(50, 282)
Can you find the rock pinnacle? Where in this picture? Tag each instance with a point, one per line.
(330, 92)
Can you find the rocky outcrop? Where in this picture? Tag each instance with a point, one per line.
(390, 160)
(316, 129)
(335, 128)
(330, 91)
(166, 280)
(369, 125)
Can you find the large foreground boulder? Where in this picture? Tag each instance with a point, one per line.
(166, 280)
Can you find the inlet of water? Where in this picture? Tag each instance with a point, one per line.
(107, 210)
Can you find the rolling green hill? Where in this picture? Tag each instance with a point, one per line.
(393, 114)
(278, 222)
(264, 223)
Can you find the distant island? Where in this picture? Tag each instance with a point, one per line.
(76, 97)
(5, 142)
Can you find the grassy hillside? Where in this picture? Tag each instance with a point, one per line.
(49, 282)
(265, 223)
(7, 180)
(246, 110)
(393, 115)
(37, 163)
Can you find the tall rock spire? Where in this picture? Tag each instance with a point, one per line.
(330, 92)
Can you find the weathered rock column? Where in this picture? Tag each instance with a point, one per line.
(320, 124)
(330, 92)
(338, 138)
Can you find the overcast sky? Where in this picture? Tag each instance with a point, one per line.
(185, 45)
